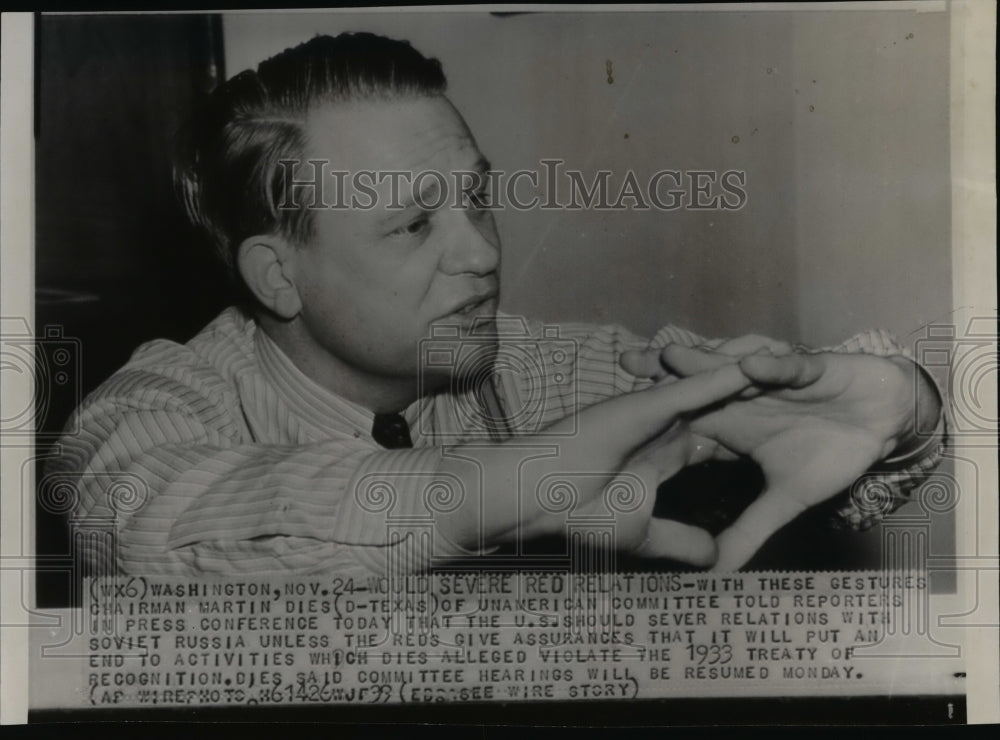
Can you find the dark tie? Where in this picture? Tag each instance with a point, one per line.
(391, 431)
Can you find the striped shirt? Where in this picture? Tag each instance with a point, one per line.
(221, 456)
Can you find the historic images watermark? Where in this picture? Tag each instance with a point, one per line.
(317, 184)
(38, 366)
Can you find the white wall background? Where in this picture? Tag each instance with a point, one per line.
(842, 125)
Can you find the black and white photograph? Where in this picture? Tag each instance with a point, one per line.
(501, 364)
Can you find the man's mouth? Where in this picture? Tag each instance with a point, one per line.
(473, 304)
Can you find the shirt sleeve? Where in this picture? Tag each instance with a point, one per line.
(883, 489)
(164, 483)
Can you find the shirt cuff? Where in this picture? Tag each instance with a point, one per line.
(886, 487)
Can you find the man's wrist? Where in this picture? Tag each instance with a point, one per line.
(924, 430)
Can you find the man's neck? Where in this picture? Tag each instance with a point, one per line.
(376, 393)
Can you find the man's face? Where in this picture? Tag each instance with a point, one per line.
(373, 280)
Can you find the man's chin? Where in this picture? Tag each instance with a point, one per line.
(435, 381)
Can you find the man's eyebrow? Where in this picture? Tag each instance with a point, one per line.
(432, 185)
(481, 168)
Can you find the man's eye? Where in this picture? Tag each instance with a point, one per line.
(479, 198)
(414, 227)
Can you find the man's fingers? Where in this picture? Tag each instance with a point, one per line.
(623, 423)
(765, 516)
(643, 363)
(685, 361)
(670, 539)
(789, 371)
(753, 343)
(701, 390)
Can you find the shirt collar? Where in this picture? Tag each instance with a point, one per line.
(310, 401)
(331, 413)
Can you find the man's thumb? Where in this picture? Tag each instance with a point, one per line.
(643, 363)
(765, 516)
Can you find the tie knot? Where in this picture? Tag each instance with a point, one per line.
(391, 431)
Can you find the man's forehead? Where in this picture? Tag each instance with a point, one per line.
(408, 134)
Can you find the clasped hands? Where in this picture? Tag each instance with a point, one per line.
(813, 422)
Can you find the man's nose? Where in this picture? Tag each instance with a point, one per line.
(473, 247)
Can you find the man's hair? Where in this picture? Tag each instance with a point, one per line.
(227, 170)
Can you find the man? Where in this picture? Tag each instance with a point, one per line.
(317, 428)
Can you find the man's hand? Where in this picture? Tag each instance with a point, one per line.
(634, 437)
(654, 363)
(814, 423)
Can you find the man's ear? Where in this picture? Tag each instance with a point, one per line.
(267, 265)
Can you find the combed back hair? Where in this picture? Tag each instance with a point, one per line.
(227, 169)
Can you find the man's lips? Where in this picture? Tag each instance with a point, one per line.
(469, 305)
